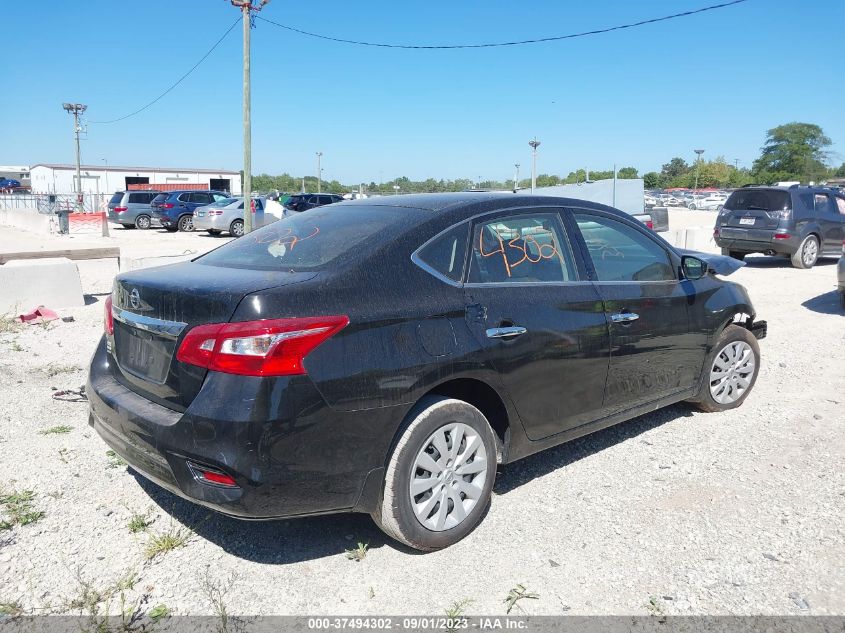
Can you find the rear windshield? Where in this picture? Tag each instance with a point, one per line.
(759, 199)
(160, 197)
(116, 198)
(312, 240)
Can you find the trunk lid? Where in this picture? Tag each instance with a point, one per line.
(155, 307)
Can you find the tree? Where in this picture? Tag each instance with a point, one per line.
(674, 168)
(793, 151)
(652, 180)
(627, 173)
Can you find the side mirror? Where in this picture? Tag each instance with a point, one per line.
(693, 267)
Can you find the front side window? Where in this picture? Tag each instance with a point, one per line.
(622, 253)
(520, 249)
(445, 254)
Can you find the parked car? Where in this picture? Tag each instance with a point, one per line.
(175, 209)
(228, 216)
(802, 223)
(132, 208)
(840, 273)
(708, 202)
(649, 201)
(285, 374)
(305, 201)
(7, 184)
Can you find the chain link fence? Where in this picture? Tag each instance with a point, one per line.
(53, 203)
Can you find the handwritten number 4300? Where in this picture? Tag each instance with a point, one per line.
(519, 247)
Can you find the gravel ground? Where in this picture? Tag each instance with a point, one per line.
(676, 512)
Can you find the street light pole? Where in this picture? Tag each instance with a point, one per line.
(697, 167)
(76, 109)
(516, 178)
(319, 172)
(534, 145)
(246, 8)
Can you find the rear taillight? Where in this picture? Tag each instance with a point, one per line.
(649, 224)
(212, 476)
(716, 231)
(108, 317)
(120, 209)
(782, 236)
(273, 347)
(167, 205)
(218, 212)
(843, 248)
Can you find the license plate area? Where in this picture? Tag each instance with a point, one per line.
(747, 221)
(143, 353)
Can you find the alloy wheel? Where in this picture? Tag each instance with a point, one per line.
(732, 372)
(186, 223)
(142, 222)
(810, 252)
(237, 228)
(448, 476)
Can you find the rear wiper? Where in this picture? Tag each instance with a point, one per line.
(751, 207)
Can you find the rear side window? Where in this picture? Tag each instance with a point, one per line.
(622, 253)
(840, 205)
(116, 198)
(520, 249)
(759, 200)
(313, 240)
(823, 203)
(446, 253)
(326, 200)
(139, 198)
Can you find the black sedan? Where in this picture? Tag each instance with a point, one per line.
(384, 355)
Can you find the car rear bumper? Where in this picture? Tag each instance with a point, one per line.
(285, 465)
(205, 223)
(731, 242)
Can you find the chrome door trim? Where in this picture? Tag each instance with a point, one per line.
(159, 327)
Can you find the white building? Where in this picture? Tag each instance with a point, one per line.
(106, 179)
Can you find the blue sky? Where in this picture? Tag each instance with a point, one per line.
(638, 97)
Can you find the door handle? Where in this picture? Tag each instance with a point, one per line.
(505, 332)
(624, 317)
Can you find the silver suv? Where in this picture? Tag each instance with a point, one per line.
(132, 208)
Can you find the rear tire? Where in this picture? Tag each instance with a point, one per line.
(730, 371)
(186, 223)
(143, 222)
(691, 207)
(454, 437)
(236, 228)
(807, 254)
(734, 254)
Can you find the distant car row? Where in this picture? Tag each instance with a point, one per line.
(213, 211)
(706, 201)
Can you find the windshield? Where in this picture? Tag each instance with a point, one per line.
(313, 239)
(759, 199)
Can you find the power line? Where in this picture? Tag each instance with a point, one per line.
(514, 43)
(178, 81)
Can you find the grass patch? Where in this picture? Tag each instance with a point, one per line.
(158, 612)
(54, 370)
(11, 609)
(164, 542)
(98, 605)
(359, 553)
(61, 429)
(16, 347)
(18, 508)
(115, 460)
(9, 324)
(139, 523)
(519, 593)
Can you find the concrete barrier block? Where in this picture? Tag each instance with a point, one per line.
(27, 219)
(134, 263)
(29, 283)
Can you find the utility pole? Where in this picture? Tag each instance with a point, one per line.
(697, 168)
(319, 172)
(516, 178)
(76, 109)
(246, 8)
(534, 145)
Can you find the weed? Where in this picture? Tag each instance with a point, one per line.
(359, 553)
(63, 455)
(454, 612)
(16, 347)
(11, 609)
(216, 592)
(654, 605)
(164, 542)
(139, 522)
(96, 604)
(18, 507)
(158, 612)
(371, 593)
(115, 460)
(9, 324)
(56, 430)
(54, 370)
(516, 594)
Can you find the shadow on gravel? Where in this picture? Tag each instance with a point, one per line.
(272, 542)
(828, 303)
(514, 475)
(94, 297)
(763, 261)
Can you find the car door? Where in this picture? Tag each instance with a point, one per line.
(830, 224)
(652, 352)
(541, 322)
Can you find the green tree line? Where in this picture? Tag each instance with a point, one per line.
(791, 152)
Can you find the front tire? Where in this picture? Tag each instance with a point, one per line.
(691, 207)
(730, 371)
(440, 476)
(807, 254)
(143, 222)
